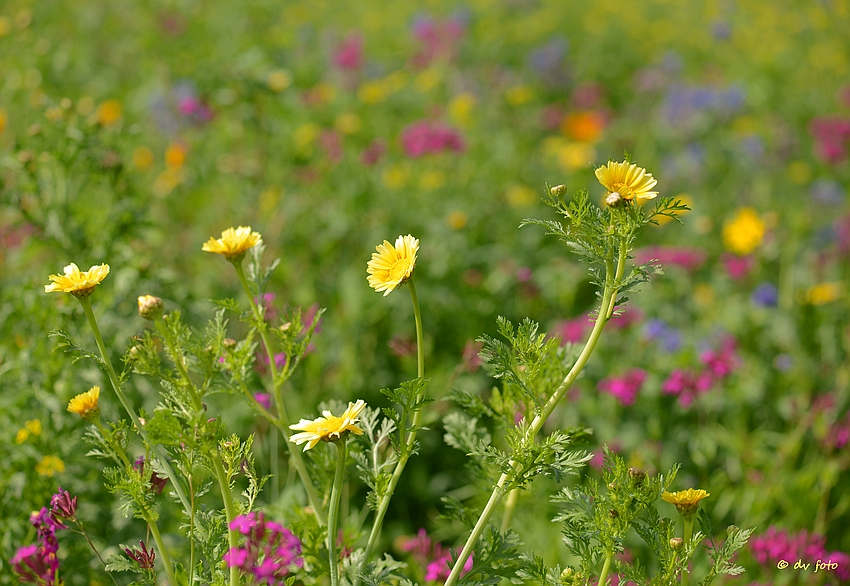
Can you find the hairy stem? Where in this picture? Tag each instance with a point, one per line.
(384, 503)
(609, 297)
(282, 419)
(116, 386)
(229, 512)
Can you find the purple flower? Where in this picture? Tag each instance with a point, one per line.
(264, 399)
(157, 483)
(142, 556)
(38, 562)
(765, 295)
(62, 505)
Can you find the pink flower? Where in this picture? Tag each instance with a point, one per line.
(689, 259)
(373, 152)
(627, 317)
(423, 137)
(626, 387)
(471, 360)
(737, 267)
(349, 54)
(270, 550)
(440, 568)
(571, 331)
(264, 399)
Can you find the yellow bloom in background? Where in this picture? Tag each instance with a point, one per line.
(583, 126)
(279, 80)
(373, 92)
(78, 283)
(4, 119)
(142, 158)
(392, 265)
(743, 233)
(85, 404)
(395, 176)
(426, 80)
(432, 180)
(328, 427)
(348, 123)
(234, 242)
(685, 199)
(573, 156)
(460, 109)
(519, 95)
(824, 293)
(31, 427)
(108, 112)
(457, 220)
(686, 501)
(49, 466)
(5, 25)
(520, 195)
(799, 172)
(628, 180)
(175, 156)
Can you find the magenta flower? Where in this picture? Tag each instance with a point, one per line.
(626, 387)
(62, 505)
(424, 137)
(571, 331)
(738, 267)
(440, 568)
(142, 556)
(38, 562)
(349, 53)
(270, 550)
(689, 259)
(157, 483)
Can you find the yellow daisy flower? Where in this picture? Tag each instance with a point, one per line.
(328, 427)
(392, 265)
(686, 501)
(50, 466)
(78, 283)
(743, 233)
(628, 181)
(85, 404)
(234, 242)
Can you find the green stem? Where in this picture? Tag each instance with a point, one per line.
(689, 533)
(94, 549)
(116, 386)
(229, 512)
(609, 297)
(603, 575)
(108, 439)
(411, 438)
(283, 420)
(333, 509)
(163, 554)
(510, 507)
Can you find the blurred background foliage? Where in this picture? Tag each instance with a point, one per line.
(132, 131)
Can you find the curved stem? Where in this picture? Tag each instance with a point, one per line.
(603, 575)
(411, 438)
(116, 386)
(609, 297)
(229, 512)
(283, 420)
(333, 509)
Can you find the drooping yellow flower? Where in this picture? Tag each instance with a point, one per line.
(85, 404)
(686, 501)
(743, 233)
(78, 283)
(392, 265)
(234, 242)
(328, 427)
(627, 180)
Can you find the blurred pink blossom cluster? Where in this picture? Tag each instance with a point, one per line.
(439, 39)
(423, 137)
(625, 388)
(689, 259)
(717, 365)
(433, 556)
(776, 545)
(269, 552)
(349, 54)
(831, 134)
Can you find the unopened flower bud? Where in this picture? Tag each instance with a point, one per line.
(150, 307)
(637, 475)
(614, 199)
(228, 342)
(558, 190)
(613, 513)
(286, 326)
(732, 530)
(613, 486)
(676, 543)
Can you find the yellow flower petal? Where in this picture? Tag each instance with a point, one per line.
(77, 282)
(629, 180)
(234, 242)
(392, 265)
(86, 404)
(328, 427)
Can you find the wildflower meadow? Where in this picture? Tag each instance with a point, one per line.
(425, 293)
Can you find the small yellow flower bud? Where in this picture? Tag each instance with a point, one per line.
(558, 190)
(676, 543)
(637, 475)
(228, 342)
(613, 199)
(150, 307)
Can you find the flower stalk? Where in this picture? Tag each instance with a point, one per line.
(282, 422)
(333, 508)
(229, 512)
(613, 279)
